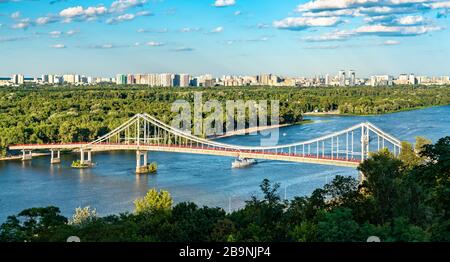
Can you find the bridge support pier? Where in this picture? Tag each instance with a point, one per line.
(55, 156)
(87, 161)
(141, 168)
(26, 155)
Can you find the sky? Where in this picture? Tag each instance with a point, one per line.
(222, 37)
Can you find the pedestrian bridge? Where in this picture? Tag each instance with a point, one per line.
(144, 133)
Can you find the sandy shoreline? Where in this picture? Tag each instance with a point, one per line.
(329, 113)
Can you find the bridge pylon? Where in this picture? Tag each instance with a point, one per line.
(141, 167)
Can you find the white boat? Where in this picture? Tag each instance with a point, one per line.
(243, 162)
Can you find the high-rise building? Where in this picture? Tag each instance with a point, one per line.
(342, 78)
(381, 80)
(121, 79)
(352, 79)
(69, 79)
(184, 80)
(176, 80)
(265, 79)
(18, 79)
(130, 79)
(327, 79)
(44, 78)
(166, 80)
(412, 79)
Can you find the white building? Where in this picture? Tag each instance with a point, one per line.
(18, 79)
(166, 80)
(341, 77)
(352, 79)
(184, 80)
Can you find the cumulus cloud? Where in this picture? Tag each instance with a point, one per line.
(218, 29)
(79, 11)
(15, 15)
(58, 46)
(367, 17)
(337, 35)
(24, 24)
(152, 43)
(224, 3)
(190, 29)
(55, 34)
(71, 32)
(391, 42)
(301, 23)
(123, 5)
(121, 18)
(410, 20)
(382, 30)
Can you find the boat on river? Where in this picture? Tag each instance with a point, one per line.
(243, 162)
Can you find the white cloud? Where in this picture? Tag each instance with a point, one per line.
(237, 13)
(410, 20)
(58, 46)
(337, 35)
(391, 42)
(144, 13)
(190, 29)
(324, 5)
(218, 29)
(123, 5)
(55, 34)
(154, 43)
(301, 23)
(43, 20)
(72, 11)
(438, 5)
(383, 30)
(71, 32)
(223, 3)
(15, 15)
(21, 25)
(78, 11)
(341, 12)
(121, 18)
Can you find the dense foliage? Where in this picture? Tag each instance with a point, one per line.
(74, 114)
(398, 201)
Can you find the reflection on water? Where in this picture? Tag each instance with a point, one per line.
(112, 185)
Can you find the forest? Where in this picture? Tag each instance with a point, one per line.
(402, 199)
(45, 114)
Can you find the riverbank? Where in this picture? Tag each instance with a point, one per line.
(338, 113)
(19, 157)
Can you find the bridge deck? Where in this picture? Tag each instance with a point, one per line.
(299, 158)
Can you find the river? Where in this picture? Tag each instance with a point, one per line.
(112, 186)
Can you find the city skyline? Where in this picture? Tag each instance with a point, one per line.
(342, 79)
(225, 37)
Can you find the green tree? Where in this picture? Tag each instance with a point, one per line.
(382, 171)
(153, 201)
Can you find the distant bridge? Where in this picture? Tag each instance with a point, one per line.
(143, 133)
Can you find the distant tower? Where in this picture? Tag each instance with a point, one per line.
(342, 78)
(352, 76)
(412, 79)
(327, 79)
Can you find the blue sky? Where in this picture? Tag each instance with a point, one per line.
(288, 37)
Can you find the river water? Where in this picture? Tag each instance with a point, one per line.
(112, 186)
